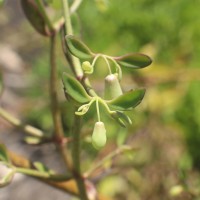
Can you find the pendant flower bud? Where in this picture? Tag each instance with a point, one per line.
(112, 87)
(99, 135)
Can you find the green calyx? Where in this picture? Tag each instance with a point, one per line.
(99, 135)
(112, 87)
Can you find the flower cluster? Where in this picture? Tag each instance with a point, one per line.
(114, 101)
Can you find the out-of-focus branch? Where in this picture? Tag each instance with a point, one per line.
(66, 186)
(16, 122)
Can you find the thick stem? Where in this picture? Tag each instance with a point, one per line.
(59, 133)
(76, 158)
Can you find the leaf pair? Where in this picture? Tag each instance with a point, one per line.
(82, 51)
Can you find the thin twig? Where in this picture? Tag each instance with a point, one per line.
(66, 186)
(45, 175)
(19, 124)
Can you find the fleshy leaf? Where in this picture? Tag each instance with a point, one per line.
(3, 154)
(134, 60)
(74, 89)
(128, 100)
(78, 48)
(34, 16)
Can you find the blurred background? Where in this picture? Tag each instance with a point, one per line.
(166, 126)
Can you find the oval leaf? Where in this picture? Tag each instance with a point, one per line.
(34, 16)
(78, 48)
(134, 60)
(128, 100)
(74, 89)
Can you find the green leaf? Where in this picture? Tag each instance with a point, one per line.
(3, 154)
(121, 118)
(134, 60)
(128, 100)
(78, 48)
(34, 16)
(74, 89)
(7, 178)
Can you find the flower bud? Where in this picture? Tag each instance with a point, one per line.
(99, 135)
(112, 87)
(87, 67)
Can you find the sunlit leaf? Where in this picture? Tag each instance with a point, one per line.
(3, 154)
(74, 89)
(134, 60)
(128, 100)
(34, 16)
(78, 48)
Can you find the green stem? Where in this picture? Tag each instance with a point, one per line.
(16, 122)
(108, 64)
(59, 133)
(98, 112)
(69, 31)
(45, 175)
(76, 158)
